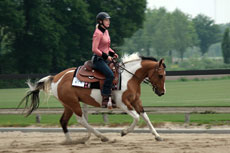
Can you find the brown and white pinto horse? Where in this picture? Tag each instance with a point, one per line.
(128, 98)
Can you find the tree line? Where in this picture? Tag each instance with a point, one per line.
(172, 33)
(226, 46)
(47, 36)
(43, 36)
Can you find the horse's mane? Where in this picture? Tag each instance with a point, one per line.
(135, 56)
(128, 58)
(149, 58)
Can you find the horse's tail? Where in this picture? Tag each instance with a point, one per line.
(32, 96)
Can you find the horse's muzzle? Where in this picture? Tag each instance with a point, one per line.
(161, 94)
(157, 92)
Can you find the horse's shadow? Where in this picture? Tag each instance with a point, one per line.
(86, 140)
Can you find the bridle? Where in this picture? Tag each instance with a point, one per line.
(122, 64)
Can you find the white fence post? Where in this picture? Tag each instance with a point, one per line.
(38, 118)
(105, 118)
(187, 117)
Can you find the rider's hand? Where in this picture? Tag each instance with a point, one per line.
(109, 58)
(115, 55)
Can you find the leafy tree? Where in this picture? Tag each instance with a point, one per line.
(208, 32)
(75, 39)
(56, 36)
(127, 17)
(163, 32)
(223, 27)
(133, 45)
(184, 32)
(226, 47)
(34, 45)
(151, 29)
(42, 36)
(163, 40)
(11, 21)
(145, 39)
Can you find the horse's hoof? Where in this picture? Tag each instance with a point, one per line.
(104, 139)
(159, 139)
(123, 133)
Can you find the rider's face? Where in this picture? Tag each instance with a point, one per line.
(106, 22)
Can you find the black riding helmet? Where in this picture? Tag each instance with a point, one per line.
(101, 16)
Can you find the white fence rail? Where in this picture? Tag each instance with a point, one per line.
(150, 110)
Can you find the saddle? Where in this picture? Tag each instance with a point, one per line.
(87, 73)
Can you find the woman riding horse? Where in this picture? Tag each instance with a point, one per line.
(136, 69)
(103, 54)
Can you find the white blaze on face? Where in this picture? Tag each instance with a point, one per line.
(164, 88)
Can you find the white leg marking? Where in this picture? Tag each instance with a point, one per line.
(67, 136)
(147, 120)
(90, 129)
(136, 119)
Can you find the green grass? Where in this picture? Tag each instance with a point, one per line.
(10, 98)
(190, 93)
(115, 120)
(179, 93)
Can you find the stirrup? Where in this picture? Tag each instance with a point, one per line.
(106, 102)
(109, 104)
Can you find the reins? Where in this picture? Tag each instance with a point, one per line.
(146, 81)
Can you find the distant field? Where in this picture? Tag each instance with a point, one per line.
(191, 93)
(179, 93)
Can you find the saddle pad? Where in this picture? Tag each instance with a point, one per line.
(78, 83)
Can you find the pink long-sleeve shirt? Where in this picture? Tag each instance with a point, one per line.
(101, 42)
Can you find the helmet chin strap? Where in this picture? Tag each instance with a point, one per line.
(102, 25)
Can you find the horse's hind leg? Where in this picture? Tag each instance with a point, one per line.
(73, 103)
(64, 122)
(81, 119)
(71, 107)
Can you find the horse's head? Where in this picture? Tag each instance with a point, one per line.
(157, 78)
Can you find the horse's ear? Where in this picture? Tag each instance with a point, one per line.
(161, 62)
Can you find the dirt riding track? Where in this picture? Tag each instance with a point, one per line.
(18, 142)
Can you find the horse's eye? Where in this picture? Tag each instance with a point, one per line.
(160, 76)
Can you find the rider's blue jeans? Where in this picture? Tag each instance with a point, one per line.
(102, 66)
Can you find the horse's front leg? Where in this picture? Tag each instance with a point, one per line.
(152, 129)
(136, 118)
